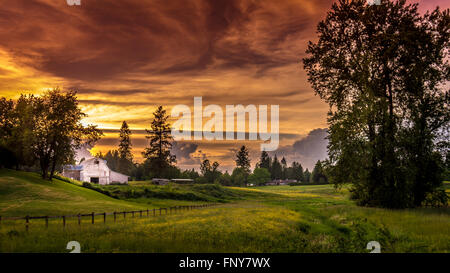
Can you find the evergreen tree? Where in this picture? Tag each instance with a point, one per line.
(158, 154)
(264, 161)
(284, 168)
(126, 157)
(243, 160)
(307, 176)
(276, 171)
(297, 171)
(318, 174)
(125, 142)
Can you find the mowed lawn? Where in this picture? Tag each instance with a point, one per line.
(261, 219)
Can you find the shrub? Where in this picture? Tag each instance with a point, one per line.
(437, 198)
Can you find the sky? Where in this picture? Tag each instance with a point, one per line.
(127, 57)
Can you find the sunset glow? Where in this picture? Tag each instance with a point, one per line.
(125, 58)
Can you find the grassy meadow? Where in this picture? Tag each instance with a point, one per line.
(314, 218)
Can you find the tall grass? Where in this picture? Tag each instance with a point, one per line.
(315, 218)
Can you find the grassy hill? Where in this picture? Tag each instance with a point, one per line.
(24, 193)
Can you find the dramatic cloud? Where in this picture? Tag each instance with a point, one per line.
(307, 150)
(126, 57)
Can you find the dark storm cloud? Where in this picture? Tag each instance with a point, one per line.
(307, 150)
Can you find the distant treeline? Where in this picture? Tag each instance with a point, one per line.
(160, 163)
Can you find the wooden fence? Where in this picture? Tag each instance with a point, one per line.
(115, 214)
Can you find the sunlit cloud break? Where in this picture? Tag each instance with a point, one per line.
(235, 116)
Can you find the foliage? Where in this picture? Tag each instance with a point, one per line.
(306, 176)
(210, 171)
(276, 169)
(243, 160)
(126, 165)
(239, 177)
(45, 130)
(381, 68)
(261, 219)
(438, 198)
(318, 174)
(260, 176)
(158, 156)
(264, 161)
(225, 179)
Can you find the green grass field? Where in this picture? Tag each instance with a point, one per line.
(262, 219)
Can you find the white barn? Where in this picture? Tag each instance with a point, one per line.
(94, 170)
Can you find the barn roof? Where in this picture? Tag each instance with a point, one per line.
(73, 167)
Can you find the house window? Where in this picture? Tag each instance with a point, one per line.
(96, 162)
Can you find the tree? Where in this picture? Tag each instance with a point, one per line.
(210, 171)
(18, 129)
(126, 157)
(277, 170)
(125, 142)
(264, 161)
(318, 174)
(284, 168)
(242, 159)
(239, 177)
(225, 179)
(297, 172)
(59, 131)
(381, 69)
(190, 174)
(307, 176)
(46, 129)
(158, 153)
(260, 176)
(6, 119)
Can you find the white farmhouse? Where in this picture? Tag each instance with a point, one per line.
(94, 170)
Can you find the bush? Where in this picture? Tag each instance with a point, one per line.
(438, 198)
(98, 189)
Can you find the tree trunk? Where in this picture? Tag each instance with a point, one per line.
(52, 172)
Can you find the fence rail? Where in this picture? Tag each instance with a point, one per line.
(115, 214)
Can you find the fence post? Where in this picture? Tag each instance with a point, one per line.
(79, 219)
(114, 217)
(46, 221)
(26, 222)
(140, 213)
(0, 219)
(93, 216)
(159, 211)
(147, 212)
(132, 214)
(64, 221)
(104, 217)
(124, 214)
(154, 212)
